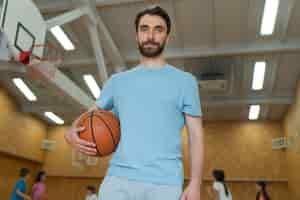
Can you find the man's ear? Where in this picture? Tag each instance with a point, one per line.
(167, 40)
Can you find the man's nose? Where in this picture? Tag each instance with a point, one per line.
(150, 35)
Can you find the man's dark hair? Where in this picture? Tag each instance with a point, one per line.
(24, 172)
(153, 10)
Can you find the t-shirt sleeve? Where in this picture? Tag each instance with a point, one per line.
(191, 99)
(21, 186)
(105, 101)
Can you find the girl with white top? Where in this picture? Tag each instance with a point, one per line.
(220, 189)
(91, 193)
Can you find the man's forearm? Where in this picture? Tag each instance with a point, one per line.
(196, 159)
(196, 152)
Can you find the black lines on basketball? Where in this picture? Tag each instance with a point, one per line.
(111, 116)
(93, 132)
(108, 127)
(81, 121)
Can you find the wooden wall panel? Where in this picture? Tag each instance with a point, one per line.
(59, 161)
(292, 131)
(20, 134)
(242, 149)
(63, 188)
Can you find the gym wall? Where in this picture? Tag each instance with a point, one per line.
(20, 134)
(73, 188)
(59, 161)
(292, 131)
(244, 151)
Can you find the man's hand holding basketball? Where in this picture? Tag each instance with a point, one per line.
(85, 147)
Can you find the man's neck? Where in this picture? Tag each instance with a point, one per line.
(157, 62)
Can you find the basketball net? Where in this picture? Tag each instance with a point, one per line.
(42, 67)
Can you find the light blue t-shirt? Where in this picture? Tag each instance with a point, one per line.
(21, 186)
(150, 104)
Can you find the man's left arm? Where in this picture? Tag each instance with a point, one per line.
(196, 155)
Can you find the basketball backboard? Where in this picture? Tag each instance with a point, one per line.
(5, 53)
(23, 25)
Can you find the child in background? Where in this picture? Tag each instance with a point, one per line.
(39, 187)
(91, 193)
(262, 192)
(220, 190)
(19, 192)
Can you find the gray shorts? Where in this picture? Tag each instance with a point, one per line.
(119, 188)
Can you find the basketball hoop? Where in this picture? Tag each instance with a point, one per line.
(39, 67)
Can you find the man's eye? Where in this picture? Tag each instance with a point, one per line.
(143, 28)
(159, 29)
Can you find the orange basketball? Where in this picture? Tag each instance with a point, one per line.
(101, 128)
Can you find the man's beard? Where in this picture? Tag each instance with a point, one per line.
(151, 52)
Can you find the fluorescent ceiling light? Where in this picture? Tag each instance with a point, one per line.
(254, 112)
(269, 17)
(54, 117)
(24, 89)
(92, 84)
(62, 38)
(258, 75)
